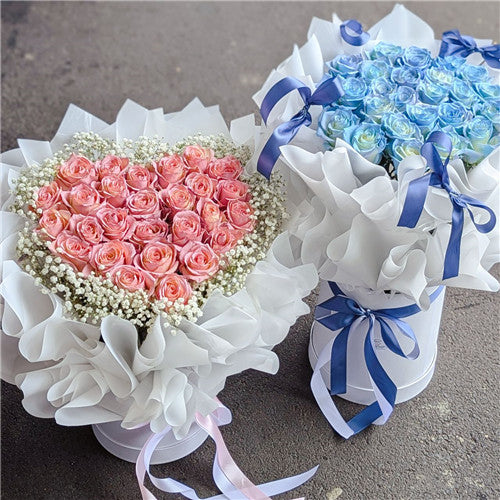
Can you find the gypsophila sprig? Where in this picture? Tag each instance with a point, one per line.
(141, 229)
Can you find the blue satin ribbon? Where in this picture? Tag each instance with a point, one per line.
(347, 311)
(326, 93)
(455, 44)
(438, 177)
(359, 37)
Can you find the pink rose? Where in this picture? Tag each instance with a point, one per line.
(223, 238)
(198, 261)
(186, 226)
(149, 230)
(87, 228)
(144, 203)
(200, 184)
(114, 190)
(132, 279)
(77, 169)
(72, 250)
(53, 221)
(110, 254)
(209, 212)
(231, 190)
(228, 168)
(170, 169)
(116, 223)
(177, 197)
(82, 199)
(48, 196)
(110, 165)
(157, 259)
(240, 215)
(197, 158)
(173, 287)
(139, 177)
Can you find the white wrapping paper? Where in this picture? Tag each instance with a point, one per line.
(80, 374)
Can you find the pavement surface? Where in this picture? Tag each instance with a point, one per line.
(443, 444)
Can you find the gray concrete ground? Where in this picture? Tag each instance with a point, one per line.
(443, 444)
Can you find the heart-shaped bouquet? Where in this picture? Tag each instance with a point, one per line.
(143, 263)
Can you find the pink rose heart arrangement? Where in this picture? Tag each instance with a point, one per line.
(155, 231)
(143, 263)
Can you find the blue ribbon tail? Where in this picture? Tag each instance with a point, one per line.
(282, 135)
(414, 201)
(338, 363)
(452, 257)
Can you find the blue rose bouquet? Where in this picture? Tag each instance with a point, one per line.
(356, 118)
(394, 98)
(390, 138)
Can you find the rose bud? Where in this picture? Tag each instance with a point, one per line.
(173, 287)
(198, 261)
(110, 164)
(77, 169)
(170, 170)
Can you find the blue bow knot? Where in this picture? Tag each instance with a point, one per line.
(455, 44)
(327, 92)
(339, 313)
(352, 32)
(439, 177)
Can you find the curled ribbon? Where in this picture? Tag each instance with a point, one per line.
(455, 44)
(438, 177)
(343, 313)
(228, 477)
(326, 93)
(352, 32)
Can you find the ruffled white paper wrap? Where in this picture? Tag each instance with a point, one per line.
(80, 374)
(350, 207)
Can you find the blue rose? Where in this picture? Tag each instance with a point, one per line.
(376, 106)
(386, 52)
(488, 92)
(381, 86)
(400, 149)
(332, 123)
(449, 62)
(404, 95)
(398, 126)
(424, 116)
(440, 76)
(492, 112)
(355, 89)
(405, 76)
(495, 141)
(479, 131)
(453, 114)
(367, 139)
(345, 65)
(461, 91)
(374, 69)
(417, 58)
(430, 93)
(474, 74)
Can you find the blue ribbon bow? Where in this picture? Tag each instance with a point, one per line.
(455, 44)
(438, 177)
(347, 311)
(327, 92)
(359, 37)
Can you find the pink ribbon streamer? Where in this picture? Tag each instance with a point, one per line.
(228, 477)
